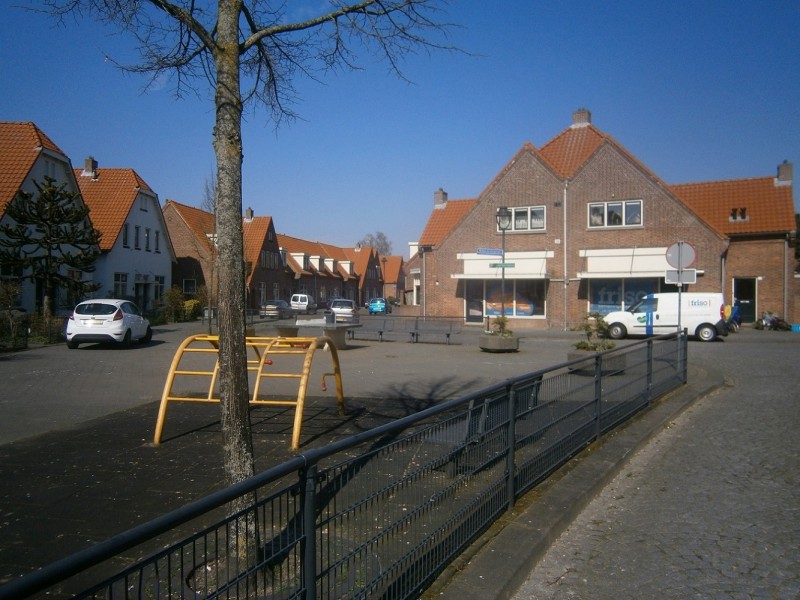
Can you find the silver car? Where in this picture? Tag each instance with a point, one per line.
(107, 321)
(346, 311)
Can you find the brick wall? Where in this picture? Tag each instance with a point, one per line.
(609, 175)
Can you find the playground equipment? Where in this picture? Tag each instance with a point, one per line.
(264, 349)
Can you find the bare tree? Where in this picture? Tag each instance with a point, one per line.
(250, 51)
(379, 241)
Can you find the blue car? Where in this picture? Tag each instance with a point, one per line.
(379, 306)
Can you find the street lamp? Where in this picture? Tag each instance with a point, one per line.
(503, 218)
(383, 260)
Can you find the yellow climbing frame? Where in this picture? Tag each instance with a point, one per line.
(263, 348)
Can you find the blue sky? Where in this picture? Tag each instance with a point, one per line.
(696, 90)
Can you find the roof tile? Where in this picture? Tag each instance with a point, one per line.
(21, 143)
(768, 207)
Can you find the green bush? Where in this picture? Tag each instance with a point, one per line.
(191, 310)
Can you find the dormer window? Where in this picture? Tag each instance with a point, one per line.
(738, 214)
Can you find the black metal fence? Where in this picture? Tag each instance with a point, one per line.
(380, 514)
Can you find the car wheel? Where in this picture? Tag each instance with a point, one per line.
(617, 331)
(72, 345)
(148, 335)
(706, 333)
(126, 341)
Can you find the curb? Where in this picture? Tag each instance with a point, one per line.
(500, 561)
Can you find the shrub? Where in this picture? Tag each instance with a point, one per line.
(191, 310)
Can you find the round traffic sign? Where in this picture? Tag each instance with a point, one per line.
(681, 255)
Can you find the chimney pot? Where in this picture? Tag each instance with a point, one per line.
(439, 198)
(784, 173)
(581, 118)
(90, 167)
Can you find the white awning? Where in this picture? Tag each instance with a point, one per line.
(520, 265)
(499, 275)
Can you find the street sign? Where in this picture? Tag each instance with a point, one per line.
(501, 265)
(680, 276)
(491, 251)
(681, 255)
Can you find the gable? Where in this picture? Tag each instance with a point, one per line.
(110, 194)
(443, 220)
(21, 145)
(199, 222)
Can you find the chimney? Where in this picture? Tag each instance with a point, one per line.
(439, 198)
(248, 214)
(90, 168)
(581, 118)
(784, 173)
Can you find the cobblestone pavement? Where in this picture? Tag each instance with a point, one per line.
(710, 508)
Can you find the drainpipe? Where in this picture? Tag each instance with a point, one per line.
(565, 249)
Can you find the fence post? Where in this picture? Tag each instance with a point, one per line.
(683, 340)
(511, 445)
(649, 390)
(308, 546)
(598, 393)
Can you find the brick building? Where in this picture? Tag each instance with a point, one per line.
(589, 229)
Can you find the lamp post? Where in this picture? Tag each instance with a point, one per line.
(383, 272)
(503, 218)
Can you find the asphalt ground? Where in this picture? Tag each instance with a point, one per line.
(78, 464)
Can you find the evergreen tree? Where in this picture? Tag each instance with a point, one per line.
(50, 238)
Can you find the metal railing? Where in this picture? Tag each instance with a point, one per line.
(382, 513)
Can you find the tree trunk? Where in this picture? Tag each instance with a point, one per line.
(234, 392)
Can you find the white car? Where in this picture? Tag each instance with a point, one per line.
(107, 321)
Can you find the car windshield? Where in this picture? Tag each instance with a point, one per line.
(340, 304)
(96, 308)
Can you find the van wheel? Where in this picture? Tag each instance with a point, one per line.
(617, 331)
(706, 333)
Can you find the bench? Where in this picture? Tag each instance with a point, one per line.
(338, 332)
(375, 325)
(434, 327)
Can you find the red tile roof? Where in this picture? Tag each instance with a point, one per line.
(20, 146)
(768, 207)
(571, 149)
(199, 221)
(443, 220)
(391, 268)
(110, 196)
(255, 232)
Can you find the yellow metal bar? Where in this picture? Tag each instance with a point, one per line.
(263, 347)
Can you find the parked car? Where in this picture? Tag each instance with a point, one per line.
(107, 321)
(303, 303)
(345, 310)
(378, 306)
(276, 309)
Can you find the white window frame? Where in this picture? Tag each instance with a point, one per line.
(516, 226)
(623, 208)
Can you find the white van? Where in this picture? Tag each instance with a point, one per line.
(702, 315)
(303, 303)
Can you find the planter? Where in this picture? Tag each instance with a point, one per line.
(613, 364)
(499, 343)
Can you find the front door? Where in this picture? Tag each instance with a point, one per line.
(744, 290)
